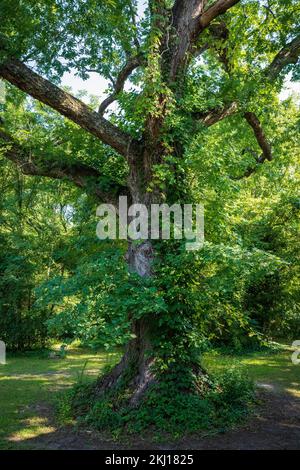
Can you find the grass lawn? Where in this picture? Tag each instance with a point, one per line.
(29, 382)
(270, 368)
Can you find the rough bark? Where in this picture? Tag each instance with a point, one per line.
(286, 56)
(135, 366)
(137, 361)
(262, 141)
(212, 116)
(140, 257)
(190, 18)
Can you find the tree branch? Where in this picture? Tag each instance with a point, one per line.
(81, 175)
(262, 141)
(212, 116)
(38, 87)
(189, 20)
(217, 9)
(128, 68)
(288, 55)
(251, 169)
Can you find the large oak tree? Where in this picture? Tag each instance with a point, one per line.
(194, 63)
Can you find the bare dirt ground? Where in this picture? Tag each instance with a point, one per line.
(275, 425)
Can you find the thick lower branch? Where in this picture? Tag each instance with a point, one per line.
(38, 87)
(81, 175)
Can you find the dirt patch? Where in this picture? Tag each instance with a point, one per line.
(275, 426)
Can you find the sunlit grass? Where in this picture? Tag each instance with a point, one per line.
(29, 383)
(34, 426)
(29, 380)
(276, 369)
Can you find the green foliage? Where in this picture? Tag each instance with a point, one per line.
(22, 326)
(48, 30)
(212, 303)
(96, 303)
(240, 288)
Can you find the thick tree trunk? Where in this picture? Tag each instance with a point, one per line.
(136, 368)
(135, 365)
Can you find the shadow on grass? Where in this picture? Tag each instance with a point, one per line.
(29, 385)
(28, 389)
